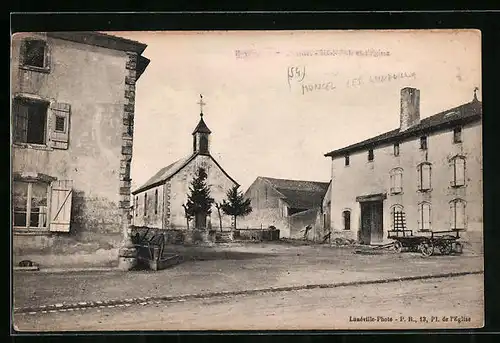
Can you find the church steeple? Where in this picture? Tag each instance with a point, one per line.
(201, 133)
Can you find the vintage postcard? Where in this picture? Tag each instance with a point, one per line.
(247, 180)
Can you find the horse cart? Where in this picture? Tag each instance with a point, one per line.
(427, 243)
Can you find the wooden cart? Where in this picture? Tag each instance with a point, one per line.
(427, 243)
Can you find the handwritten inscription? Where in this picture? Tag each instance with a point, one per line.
(410, 319)
(297, 75)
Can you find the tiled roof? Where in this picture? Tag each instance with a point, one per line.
(462, 114)
(300, 193)
(165, 173)
(201, 127)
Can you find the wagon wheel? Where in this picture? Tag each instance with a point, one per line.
(398, 247)
(446, 248)
(427, 248)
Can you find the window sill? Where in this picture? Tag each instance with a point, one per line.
(425, 190)
(32, 146)
(456, 186)
(45, 70)
(31, 232)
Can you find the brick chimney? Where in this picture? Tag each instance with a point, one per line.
(410, 108)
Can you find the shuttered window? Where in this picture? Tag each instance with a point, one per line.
(458, 219)
(424, 176)
(458, 170)
(396, 178)
(424, 216)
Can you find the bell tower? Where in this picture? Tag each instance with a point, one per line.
(201, 134)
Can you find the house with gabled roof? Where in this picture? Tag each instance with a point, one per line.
(288, 205)
(428, 171)
(158, 203)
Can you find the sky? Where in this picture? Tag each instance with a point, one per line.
(277, 101)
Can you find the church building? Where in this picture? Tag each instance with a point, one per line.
(159, 202)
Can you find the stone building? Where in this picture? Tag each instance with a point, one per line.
(72, 126)
(289, 205)
(158, 203)
(429, 169)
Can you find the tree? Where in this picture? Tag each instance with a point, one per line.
(236, 205)
(199, 203)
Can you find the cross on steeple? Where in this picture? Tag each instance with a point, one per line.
(201, 103)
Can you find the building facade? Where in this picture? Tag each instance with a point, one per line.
(430, 170)
(73, 98)
(159, 202)
(288, 205)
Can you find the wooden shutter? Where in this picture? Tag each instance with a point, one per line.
(459, 171)
(426, 176)
(60, 205)
(60, 125)
(460, 214)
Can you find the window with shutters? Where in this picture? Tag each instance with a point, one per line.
(41, 205)
(424, 216)
(458, 219)
(396, 178)
(424, 176)
(30, 121)
(458, 171)
(38, 122)
(35, 55)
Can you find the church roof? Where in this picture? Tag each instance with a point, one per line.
(202, 127)
(164, 174)
(299, 193)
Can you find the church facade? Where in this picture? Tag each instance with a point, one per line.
(159, 202)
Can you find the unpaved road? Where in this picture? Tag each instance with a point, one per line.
(454, 299)
(232, 268)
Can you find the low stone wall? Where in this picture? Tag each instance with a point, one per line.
(175, 236)
(257, 234)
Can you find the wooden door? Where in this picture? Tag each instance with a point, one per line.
(377, 231)
(371, 222)
(366, 219)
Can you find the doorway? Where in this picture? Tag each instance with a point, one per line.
(371, 222)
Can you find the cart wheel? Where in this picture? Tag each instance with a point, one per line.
(426, 248)
(398, 247)
(446, 248)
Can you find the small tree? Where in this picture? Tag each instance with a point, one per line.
(199, 203)
(236, 205)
